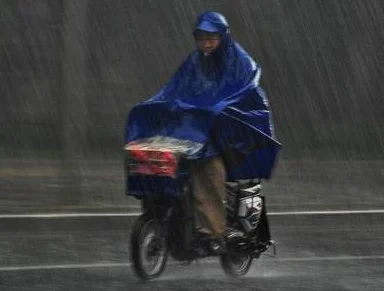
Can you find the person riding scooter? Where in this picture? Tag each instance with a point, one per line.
(214, 100)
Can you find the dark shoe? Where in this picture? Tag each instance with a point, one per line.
(202, 235)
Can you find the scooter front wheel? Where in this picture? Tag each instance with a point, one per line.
(148, 248)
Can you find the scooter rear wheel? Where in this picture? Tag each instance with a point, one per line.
(236, 264)
(148, 248)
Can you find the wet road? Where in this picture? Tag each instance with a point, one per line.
(315, 252)
(319, 250)
(46, 186)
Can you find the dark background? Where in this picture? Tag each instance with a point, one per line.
(71, 70)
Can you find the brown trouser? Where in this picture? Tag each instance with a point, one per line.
(208, 182)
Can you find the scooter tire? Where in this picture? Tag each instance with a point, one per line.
(235, 265)
(139, 236)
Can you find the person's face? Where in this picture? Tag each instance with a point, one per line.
(207, 42)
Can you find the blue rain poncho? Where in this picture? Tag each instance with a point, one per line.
(216, 103)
